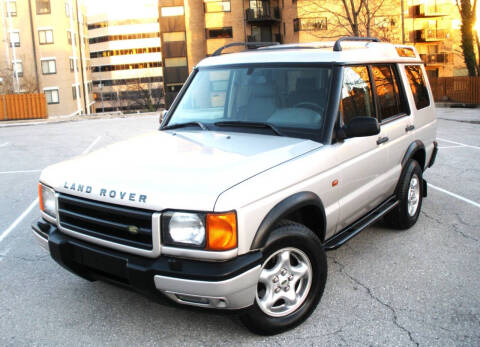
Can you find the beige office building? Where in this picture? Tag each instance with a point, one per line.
(44, 49)
(126, 58)
(194, 29)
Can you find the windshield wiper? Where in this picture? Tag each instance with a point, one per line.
(184, 125)
(249, 125)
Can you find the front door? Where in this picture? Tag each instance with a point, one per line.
(363, 160)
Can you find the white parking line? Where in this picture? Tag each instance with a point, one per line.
(17, 221)
(471, 202)
(458, 143)
(91, 145)
(3, 144)
(447, 147)
(19, 171)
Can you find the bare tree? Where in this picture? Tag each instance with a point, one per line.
(346, 17)
(145, 95)
(26, 82)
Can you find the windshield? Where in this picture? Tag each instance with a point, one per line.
(289, 98)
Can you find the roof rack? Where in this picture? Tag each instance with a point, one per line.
(337, 47)
(244, 44)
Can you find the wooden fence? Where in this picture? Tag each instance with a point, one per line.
(464, 90)
(23, 106)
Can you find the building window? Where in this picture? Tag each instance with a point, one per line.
(45, 36)
(73, 65)
(14, 39)
(17, 67)
(128, 51)
(49, 66)
(126, 66)
(175, 62)
(310, 24)
(43, 6)
(74, 92)
(216, 6)
(11, 8)
(172, 11)
(122, 37)
(52, 95)
(174, 36)
(219, 33)
(68, 11)
(69, 37)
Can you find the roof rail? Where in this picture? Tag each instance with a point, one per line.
(338, 44)
(244, 44)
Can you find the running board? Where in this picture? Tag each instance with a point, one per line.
(354, 229)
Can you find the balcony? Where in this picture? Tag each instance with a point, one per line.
(437, 58)
(429, 35)
(263, 15)
(277, 38)
(422, 11)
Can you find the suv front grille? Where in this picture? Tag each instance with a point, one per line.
(123, 225)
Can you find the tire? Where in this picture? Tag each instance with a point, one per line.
(410, 189)
(292, 249)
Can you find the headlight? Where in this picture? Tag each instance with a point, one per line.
(47, 201)
(182, 228)
(210, 231)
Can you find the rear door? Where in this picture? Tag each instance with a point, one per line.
(396, 121)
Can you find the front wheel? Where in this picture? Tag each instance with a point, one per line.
(291, 281)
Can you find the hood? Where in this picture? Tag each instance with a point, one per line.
(172, 169)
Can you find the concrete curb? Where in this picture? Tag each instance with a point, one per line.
(63, 119)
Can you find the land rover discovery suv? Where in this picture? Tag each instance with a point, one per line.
(266, 159)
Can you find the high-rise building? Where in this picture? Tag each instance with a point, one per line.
(44, 49)
(126, 58)
(193, 29)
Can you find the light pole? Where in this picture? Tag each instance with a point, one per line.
(100, 86)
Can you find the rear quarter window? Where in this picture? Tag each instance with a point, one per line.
(418, 86)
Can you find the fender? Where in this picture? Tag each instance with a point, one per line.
(412, 151)
(284, 208)
(414, 147)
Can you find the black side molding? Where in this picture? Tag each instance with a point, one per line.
(434, 154)
(414, 147)
(354, 229)
(284, 208)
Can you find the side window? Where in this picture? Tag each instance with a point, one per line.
(357, 100)
(417, 84)
(388, 92)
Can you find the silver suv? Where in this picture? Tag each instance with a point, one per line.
(267, 159)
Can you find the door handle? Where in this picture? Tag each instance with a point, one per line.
(409, 127)
(382, 140)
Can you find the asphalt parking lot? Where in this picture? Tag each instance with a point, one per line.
(417, 287)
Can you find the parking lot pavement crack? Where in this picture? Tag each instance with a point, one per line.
(377, 299)
(460, 232)
(437, 220)
(32, 258)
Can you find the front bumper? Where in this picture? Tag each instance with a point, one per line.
(228, 284)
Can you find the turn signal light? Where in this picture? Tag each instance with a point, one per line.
(221, 231)
(40, 199)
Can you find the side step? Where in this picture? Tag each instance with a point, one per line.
(354, 229)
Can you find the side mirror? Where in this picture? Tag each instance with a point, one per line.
(362, 126)
(163, 114)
